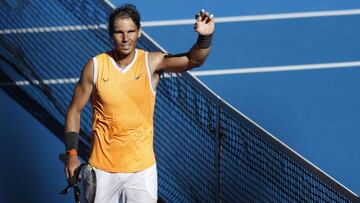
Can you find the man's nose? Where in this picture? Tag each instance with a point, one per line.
(125, 38)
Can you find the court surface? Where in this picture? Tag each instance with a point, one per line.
(295, 75)
(292, 67)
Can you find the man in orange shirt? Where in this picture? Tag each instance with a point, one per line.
(122, 86)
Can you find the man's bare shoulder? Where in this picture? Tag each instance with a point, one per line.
(87, 71)
(156, 59)
(157, 55)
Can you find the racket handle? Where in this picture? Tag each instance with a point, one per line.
(72, 180)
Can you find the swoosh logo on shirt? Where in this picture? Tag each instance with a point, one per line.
(138, 76)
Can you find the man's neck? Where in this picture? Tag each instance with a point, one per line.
(123, 60)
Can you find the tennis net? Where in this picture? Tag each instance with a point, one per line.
(206, 150)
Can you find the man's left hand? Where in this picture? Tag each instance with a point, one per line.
(205, 23)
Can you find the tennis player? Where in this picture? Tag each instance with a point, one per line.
(121, 84)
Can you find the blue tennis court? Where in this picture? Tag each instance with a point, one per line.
(295, 76)
(313, 110)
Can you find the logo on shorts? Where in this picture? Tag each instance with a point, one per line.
(105, 80)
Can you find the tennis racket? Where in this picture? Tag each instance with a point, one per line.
(83, 182)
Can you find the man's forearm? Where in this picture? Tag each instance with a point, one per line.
(72, 128)
(197, 55)
(72, 123)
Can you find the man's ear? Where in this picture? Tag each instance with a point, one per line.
(139, 33)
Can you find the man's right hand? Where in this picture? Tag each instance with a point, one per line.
(71, 165)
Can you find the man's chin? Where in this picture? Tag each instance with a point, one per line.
(125, 51)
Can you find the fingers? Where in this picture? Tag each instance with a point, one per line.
(72, 164)
(204, 16)
(66, 173)
(69, 172)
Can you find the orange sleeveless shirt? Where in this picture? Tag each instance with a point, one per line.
(123, 108)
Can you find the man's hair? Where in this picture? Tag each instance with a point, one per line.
(124, 11)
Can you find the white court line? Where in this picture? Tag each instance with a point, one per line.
(187, 21)
(257, 17)
(207, 73)
(39, 82)
(276, 68)
(53, 29)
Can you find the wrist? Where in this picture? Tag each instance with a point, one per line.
(71, 153)
(71, 140)
(204, 41)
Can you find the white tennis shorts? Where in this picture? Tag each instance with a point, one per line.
(138, 187)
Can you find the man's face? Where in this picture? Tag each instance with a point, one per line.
(125, 35)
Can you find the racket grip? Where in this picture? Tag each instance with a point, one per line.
(72, 180)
